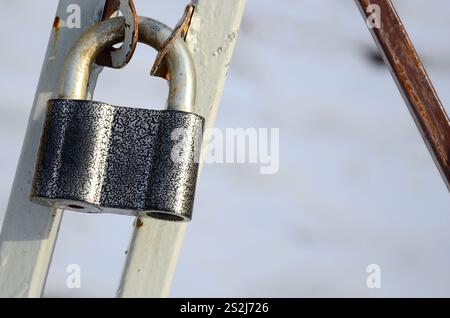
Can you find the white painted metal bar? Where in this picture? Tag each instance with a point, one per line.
(29, 231)
(155, 244)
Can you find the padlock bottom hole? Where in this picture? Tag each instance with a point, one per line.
(75, 207)
(165, 216)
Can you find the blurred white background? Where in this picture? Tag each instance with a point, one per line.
(356, 183)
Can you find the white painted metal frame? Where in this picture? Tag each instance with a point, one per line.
(29, 231)
(155, 244)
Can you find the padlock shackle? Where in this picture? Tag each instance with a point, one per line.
(182, 82)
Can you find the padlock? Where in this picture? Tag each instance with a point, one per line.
(97, 157)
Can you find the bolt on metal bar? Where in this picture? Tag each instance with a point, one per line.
(412, 81)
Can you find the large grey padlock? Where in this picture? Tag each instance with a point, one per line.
(96, 157)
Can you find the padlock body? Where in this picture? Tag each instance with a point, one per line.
(97, 157)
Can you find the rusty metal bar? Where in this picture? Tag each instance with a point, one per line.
(412, 80)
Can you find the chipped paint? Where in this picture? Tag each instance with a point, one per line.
(57, 31)
(138, 224)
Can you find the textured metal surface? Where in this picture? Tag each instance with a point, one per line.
(413, 82)
(95, 157)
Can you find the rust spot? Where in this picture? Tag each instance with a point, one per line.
(57, 23)
(57, 28)
(365, 3)
(428, 126)
(139, 223)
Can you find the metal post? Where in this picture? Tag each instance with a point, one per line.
(29, 231)
(155, 244)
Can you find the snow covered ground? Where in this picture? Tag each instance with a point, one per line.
(356, 184)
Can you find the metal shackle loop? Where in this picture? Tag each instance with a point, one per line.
(182, 82)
